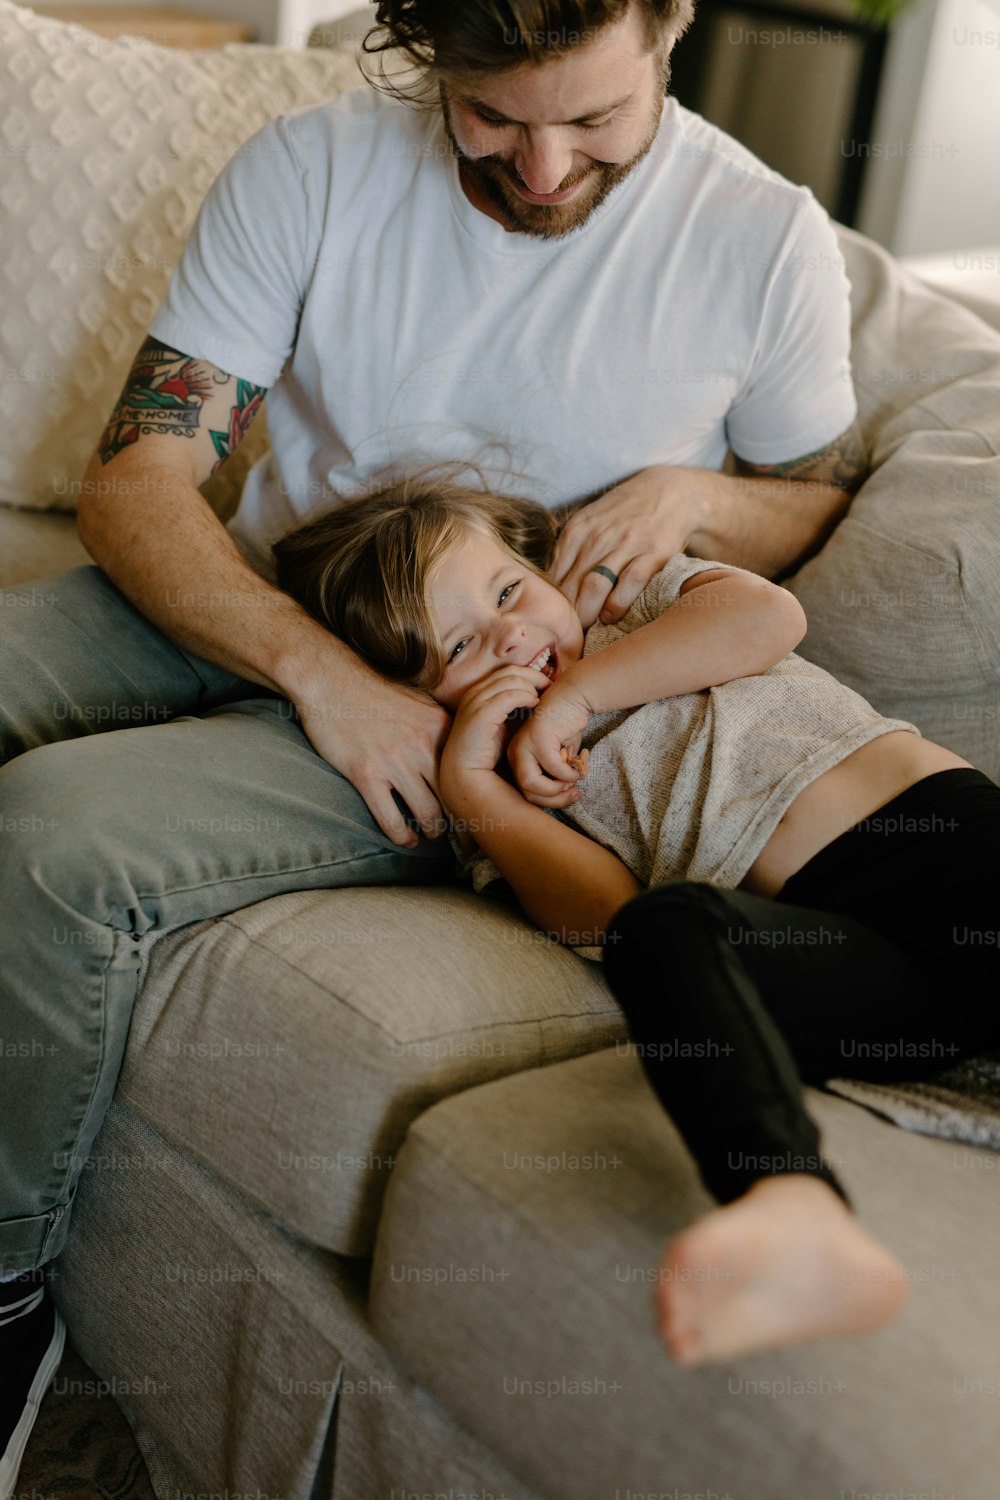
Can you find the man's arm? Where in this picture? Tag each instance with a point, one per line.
(768, 518)
(772, 517)
(142, 518)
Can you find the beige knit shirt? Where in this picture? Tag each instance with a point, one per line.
(692, 787)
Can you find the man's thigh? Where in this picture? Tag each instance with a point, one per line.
(107, 837)
(172, 823)
(76, 658)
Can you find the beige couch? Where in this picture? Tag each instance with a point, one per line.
(379, 1204)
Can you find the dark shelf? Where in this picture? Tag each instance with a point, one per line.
(693, 57)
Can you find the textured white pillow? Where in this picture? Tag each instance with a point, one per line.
(107, 148)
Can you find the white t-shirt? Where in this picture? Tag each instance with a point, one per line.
(337, 261)
(692, 787)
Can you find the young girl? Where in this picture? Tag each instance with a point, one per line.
(807, 863)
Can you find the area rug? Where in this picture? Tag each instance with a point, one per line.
(81, 1448)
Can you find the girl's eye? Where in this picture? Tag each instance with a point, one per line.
(505, 594)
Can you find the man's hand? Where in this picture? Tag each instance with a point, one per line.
(768, 518)
(632, 530)
(380, 735)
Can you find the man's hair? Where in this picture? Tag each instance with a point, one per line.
(362, 569)
(461, 37)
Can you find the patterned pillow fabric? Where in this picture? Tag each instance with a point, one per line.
(107, 148)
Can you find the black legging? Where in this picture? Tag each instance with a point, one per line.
(878, 959)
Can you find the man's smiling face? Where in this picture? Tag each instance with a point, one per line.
(540, 147)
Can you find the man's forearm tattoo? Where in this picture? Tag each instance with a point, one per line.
(165, 392)
(844, 463)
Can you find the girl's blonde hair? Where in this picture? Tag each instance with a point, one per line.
(362, 568)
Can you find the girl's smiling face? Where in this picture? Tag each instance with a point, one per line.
(492, 610)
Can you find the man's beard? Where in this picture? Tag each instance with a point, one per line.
(494, 179)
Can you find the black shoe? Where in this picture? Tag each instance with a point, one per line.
(32, 1335)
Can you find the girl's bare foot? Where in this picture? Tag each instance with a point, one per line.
(788, 1261)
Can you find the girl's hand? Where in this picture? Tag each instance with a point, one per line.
(543, 753)
(483, 724)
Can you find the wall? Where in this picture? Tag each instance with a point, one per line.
(935, 184)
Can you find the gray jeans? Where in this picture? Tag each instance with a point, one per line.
(140, 787)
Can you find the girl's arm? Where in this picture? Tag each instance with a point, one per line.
(723, 625)
(565, 882)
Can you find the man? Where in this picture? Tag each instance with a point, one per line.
(556, 274)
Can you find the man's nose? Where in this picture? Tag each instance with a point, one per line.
(543, 160)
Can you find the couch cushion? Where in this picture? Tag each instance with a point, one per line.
(34, 545)
(524, 1227)
(108, 149)
(289, 1045)
(903, 601)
